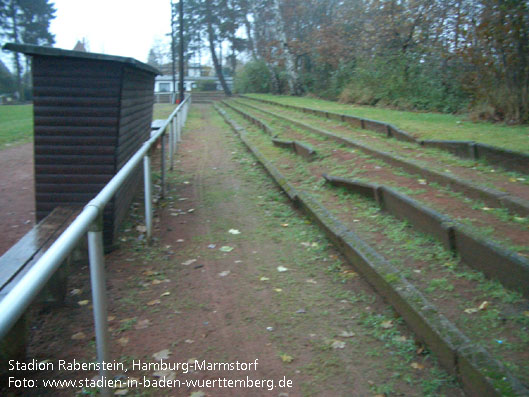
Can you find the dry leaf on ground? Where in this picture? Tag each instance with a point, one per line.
(286, 358)
(142, 324)
(337, 344)
(79, 336)
(162, 354)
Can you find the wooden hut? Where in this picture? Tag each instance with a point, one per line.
(91, 113)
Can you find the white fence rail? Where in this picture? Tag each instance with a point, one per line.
(90, 220)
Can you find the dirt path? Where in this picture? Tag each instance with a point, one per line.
(278, 294)
(17, 194)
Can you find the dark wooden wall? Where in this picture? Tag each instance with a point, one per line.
(90, 117)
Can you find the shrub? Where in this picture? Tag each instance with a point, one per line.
(253, 77)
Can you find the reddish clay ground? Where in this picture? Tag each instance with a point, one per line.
(316, 323)
(17, 197)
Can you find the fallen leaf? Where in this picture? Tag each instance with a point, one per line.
(284, 224)
(141, 229)
(189, 262)
(224, 273)
(234, 231)
(471, 310)
(347, 334)
(154, 302)
(189, 341)
(400, 339)
(484, 305)
(180, 240)
(79, 336)
(199, 393)
(123, 341)
(337, 344)
(226, 248)
(282, 269)
(168, 375)
(417, 366)
(311, 281)
(305, 244)
(149, 272)
(486, 209)
(512, 179)
(212, 246)
(301, 311)
(162, 354)
(387, 324)
(191, 210)
(121, 392)
(264, 278)
(111, 318)
(286, 358)
(278, 289)
(422, 181)
(166, 293)
(76, 291)
(142, 324)
(83, 303)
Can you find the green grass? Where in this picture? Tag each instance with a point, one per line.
(162, 110)
(16, 124)
(423, 125)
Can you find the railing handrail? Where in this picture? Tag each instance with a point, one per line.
(20, 297)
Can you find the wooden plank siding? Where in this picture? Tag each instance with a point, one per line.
(90, 117)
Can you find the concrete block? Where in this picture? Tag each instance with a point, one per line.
(482, 376)
(400, 135)
(510, 269)
(365, 189)
(464, 149)
(516, 204)
(283, 143)
(304, 150)
(508, 159)
(353, 121)
(376, 126)
(423, 218)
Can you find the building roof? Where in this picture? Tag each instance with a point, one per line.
(29, 49)
(80, 46)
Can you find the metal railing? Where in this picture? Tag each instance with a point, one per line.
(90, 220)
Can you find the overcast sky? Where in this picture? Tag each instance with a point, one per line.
(115, 27)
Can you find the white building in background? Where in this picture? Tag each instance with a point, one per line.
(196, 76)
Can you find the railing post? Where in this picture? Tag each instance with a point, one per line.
(177, 127)
(162, 166)
(98, 281)
(147, 182)
(175, 147)
(171, 145)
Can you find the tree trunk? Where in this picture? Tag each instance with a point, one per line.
(290, 62)
(16, 55)
(218, 67)
(251, 43)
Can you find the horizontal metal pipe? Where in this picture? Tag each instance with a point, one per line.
(23, 293)
(20, 297)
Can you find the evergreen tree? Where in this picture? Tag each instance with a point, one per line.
(27, 22)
